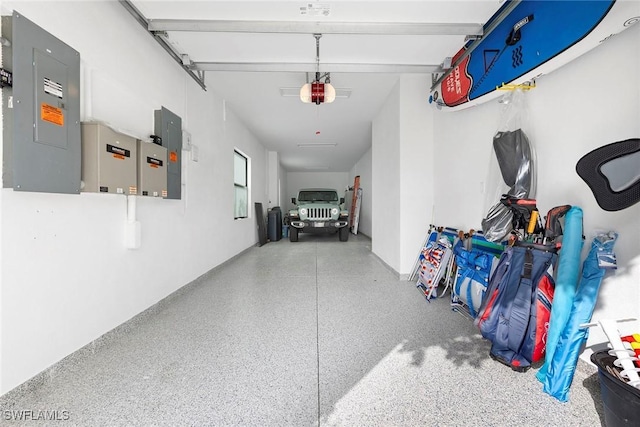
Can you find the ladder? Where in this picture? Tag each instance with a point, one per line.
(356, 217)
(356, 185)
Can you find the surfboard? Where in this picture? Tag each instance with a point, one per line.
(534, 38)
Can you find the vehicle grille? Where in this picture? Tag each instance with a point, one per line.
(319, 213)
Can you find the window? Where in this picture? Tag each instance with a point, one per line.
(241, 186)
(318, 196)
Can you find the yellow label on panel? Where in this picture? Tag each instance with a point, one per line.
(52, 114)
(173, 156)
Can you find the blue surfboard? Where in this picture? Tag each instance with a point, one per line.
(535, 38)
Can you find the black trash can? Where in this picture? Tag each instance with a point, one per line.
(278, 220)
(275, 224)
(621, 401)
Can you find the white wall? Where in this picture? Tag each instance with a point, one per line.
(416, 165)
(363, 169)
(462, 154)
(282, 185)
(403, 190)
(385, 160)
(273, 179)
(66, 277)
(297, 180)
(590, 102)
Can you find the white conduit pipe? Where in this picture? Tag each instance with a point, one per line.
(133, 234)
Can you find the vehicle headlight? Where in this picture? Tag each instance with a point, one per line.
(303, 211)
(334, 211)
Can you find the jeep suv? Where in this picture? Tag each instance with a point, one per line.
(318, 210)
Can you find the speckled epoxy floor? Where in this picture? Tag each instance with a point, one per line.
(299, 334)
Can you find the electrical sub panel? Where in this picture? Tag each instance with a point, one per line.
(41, 150)
(109, 160)
(168, 127)
(152, 169)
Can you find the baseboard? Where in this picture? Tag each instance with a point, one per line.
(388, 267)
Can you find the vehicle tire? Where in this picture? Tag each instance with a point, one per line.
(293, 234)
(344, 234)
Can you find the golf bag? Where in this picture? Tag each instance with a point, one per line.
(515, 311)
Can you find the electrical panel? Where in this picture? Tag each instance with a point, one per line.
(168, 127)
(109, 160)
(152, 169)
(42, 145)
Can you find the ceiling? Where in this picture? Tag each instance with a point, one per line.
(254, 52)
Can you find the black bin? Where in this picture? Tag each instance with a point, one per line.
(621, 401)
(275, 224)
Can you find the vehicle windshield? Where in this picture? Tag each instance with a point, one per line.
(318, 196)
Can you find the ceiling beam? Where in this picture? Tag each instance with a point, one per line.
(294, 27)
(161, 39)
(311, 67)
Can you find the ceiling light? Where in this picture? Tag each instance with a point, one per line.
(317, 144)
(318, 92)
(295, 91)
(316, 168)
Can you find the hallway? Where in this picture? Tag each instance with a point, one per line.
(299, 334)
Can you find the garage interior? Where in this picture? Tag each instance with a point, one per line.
(197, 324)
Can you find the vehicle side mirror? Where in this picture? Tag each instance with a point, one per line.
(293, 200)
(341, 200)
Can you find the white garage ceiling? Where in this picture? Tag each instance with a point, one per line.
(253, 52)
